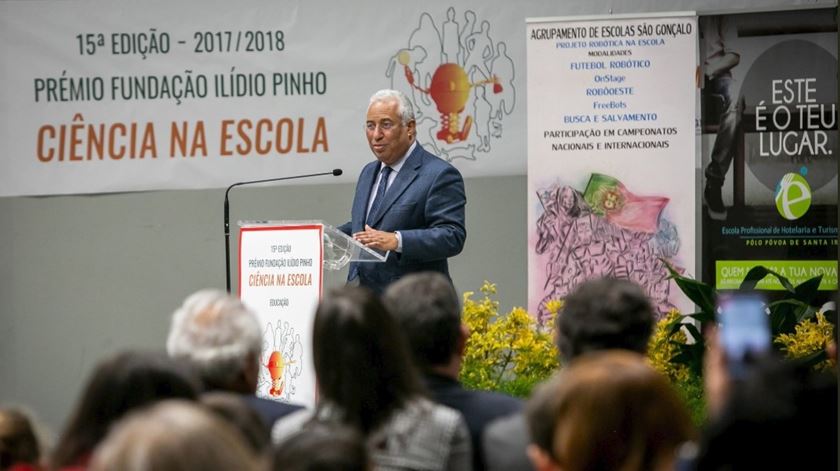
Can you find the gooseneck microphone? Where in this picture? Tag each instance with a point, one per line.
(336, 172)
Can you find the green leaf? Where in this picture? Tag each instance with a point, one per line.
(786, 313)
(783, 316)
(690, 355)
(674, 328)
(695, 334)
(700, 293)
(683, 357)
(813, 359)
(805, 312)
(702, 317)
(807, 290)
(757, 273)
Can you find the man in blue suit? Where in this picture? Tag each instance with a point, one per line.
(408, 202)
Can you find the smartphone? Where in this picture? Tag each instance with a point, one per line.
(744, 330)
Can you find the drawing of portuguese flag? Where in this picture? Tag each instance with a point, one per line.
(610, 199)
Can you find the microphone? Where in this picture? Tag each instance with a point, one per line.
(336, 172)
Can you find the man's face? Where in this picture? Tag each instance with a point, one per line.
(388, 136)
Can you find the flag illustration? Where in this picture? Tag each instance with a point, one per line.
(609, 198)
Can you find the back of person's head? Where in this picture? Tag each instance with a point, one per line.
(427, 308)
(221, 336)
(604, 314)
(233, 409)
(173, 436)
(18, 442)
(607, 410)
(322, 447)
(361, 359)
(119, 384)
(781, 415)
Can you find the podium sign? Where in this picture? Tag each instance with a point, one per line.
(281, 279)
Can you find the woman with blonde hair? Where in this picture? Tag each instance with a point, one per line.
(174, 435)
(607, 411)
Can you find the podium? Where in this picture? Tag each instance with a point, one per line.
(281, 274)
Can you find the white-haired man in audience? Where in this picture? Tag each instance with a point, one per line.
(218, 334)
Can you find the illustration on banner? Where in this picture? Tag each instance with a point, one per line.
(282, 360)
(460, 81)
(604, 231)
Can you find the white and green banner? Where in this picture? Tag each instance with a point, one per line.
(611, 148)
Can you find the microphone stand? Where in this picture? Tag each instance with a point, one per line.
(335, 172)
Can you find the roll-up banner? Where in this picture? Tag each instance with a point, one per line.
(769, 133)
(611, 153)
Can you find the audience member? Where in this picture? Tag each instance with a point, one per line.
(20, 449)
(173, 436)
(322, 447)
(779, 415)
(367, 381)
(233, 409)
(607, 410)
(220, 336)
(428, 309)
(120, 384)
(601, 314)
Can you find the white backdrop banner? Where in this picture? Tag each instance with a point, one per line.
(121, 96)
(611, 149)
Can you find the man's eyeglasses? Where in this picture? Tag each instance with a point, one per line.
(384, 126)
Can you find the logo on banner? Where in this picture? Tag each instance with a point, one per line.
(793, 196)
(461, 82)
(282, 360)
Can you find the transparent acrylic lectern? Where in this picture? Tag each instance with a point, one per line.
(339, 248)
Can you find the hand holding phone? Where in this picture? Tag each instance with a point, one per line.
(744, 330)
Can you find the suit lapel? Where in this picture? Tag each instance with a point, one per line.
(365, 184)
(406, 175)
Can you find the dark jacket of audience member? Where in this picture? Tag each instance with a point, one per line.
(236, 412)
(429, 312)
(222, 338)
(119, 384)
(322, 447)
(367, 381)
(607, 410)
(173, 436)
(782, 415)
(600, 314)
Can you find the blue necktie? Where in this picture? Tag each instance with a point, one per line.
(380, 192)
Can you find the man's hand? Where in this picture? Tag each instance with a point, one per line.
(379, 240)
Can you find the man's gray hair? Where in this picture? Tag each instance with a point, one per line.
(216, 332)
(404, 106)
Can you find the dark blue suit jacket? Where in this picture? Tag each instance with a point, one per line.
(425, 203)
(268, 410)
(479, 408)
